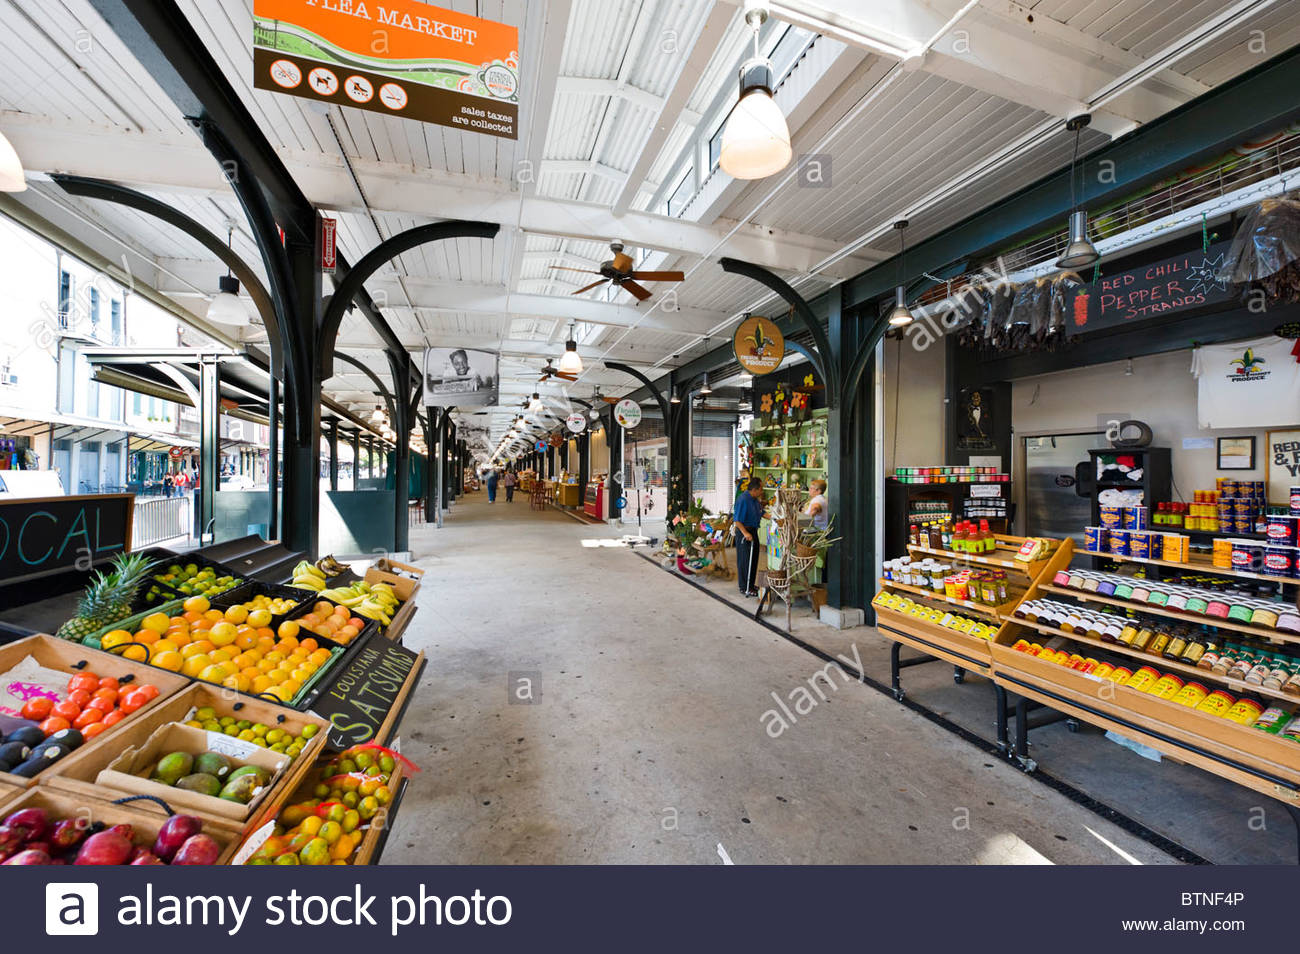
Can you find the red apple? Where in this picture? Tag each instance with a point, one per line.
(105, 848)
(198, 850)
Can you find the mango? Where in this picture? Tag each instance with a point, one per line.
(241, 789)
(174, 767)
(212, 763)
(200, 782)
(316, 852)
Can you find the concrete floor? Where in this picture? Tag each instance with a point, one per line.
(652, 740)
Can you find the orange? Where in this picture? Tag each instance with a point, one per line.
(196, 664)
(320, 656)
(247, 638)
(180, 638)
(309, 644)
(288, 628)
(215, 673)
(165, 646)
(221, 655)
(179, 621)
(288, 642)
(192, 616)
(197, 604)
(158, 622)
(261, 684)
(259, 617)
(238, 682)
(250, 672)
(215, 615)
(273, 657)
(146, 636)
(205, 646)
(137, 653)
(236, 614)
(169, 660)
(116, 638)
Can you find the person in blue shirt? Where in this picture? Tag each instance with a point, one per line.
(749, 511)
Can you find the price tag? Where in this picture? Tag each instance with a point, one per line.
(986, 490)
(254, 841)
(229, 745)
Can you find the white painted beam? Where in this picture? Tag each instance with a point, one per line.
(596, 86)
(588, 167)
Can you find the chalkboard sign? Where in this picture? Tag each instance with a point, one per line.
(358, 700)
(1175, 284)
(47, 534)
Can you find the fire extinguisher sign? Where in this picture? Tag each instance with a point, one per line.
(329, 252)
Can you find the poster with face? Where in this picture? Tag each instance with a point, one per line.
(460, 377)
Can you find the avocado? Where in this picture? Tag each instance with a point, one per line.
(212, 763)
(241, 789)
(13, 753)
(200, 782)
(172, 768)
(28, 735)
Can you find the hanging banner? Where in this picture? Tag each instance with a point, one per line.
(759, 345)
(628, 414)
(540, 447)
(459, 377)
(399, 57)
(1181, 283)
(577, 423)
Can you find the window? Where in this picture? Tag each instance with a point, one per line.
(117, 322)
(94, 310)
(66, 289)
(136, 402)
(683, 194)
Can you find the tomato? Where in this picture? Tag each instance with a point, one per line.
(132, 700)
(83, 680)
(67, 709)
(88, 717)
(107, 696)
(92, 730)
(114, 717)
(150, 691)
(55, 724)
(80, 696)
(38, 708)
(108, 682)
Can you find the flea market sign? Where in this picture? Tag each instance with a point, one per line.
(400, 57)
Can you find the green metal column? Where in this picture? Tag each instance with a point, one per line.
(333, 438)
(356, 457)
(209, 441)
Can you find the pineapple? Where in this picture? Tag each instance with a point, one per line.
(108, 597)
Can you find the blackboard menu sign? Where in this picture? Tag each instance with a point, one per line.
(358, 700)
(1175, 284)
(48, 534)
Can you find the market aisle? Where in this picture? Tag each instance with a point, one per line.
(648, 744)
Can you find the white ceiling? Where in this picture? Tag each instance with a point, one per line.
(620, 98)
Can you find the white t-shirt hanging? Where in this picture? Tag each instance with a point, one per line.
(1247, 384)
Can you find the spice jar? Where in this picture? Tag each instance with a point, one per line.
(1167, 686)
(1191, 695)
(1217, 703)
(1245, 711)
(1143, 679)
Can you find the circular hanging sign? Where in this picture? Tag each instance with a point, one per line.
(628, 414)
(176, 453)
(541, 446)
(576, 422)
(759, 345)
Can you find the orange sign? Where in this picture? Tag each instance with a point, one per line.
(759, 345)
(400, 57)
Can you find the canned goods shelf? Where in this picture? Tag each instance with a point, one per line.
(1171, 665)
(1199, 566)
(1257, 631)
(983, 609)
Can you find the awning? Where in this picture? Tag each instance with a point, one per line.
(61, 427)
(158, 442)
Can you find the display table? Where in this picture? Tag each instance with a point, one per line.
(568, 495)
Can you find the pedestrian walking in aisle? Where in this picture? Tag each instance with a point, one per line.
(749, 511)
(492, 486)
(510, 480)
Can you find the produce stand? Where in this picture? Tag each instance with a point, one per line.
(1248, 756)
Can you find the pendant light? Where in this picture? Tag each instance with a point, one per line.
(536, 406)
(1080, 253)
(704, 385)
(377, 414)
(676, 398)
(571, 362)
(756, 140)
(226, 308)
(12, 178)
(901, 315)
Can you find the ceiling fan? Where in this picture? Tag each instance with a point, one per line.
(597, 396)
(550, 371)
(618, 271)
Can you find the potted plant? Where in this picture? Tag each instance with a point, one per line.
(816, 542)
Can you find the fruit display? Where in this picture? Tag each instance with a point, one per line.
(328, 827)
(27, 751)
(108, 598)
(190, 579)
(261, 609)
(332, 622)
(268, 737)
(316, 576)
(225, 648)
(35, 836)
(212, 774)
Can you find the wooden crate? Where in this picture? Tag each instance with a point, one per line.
(69, 657)
(77, 773)
(399, 569)
(62, 805)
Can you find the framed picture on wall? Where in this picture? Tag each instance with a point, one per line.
(1283, 464)
(1236, 453)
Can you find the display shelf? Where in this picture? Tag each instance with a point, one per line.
(1002, 558)
(1160, 662)
(1199, 566)
(982, 609)
(1257, 631)
(960, 649)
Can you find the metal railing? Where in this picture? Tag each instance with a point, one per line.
(161, 518)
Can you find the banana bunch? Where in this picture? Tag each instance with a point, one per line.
(373, 601)
(330, 566)
(306, 576)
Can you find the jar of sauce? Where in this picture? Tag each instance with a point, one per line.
(1217, 703)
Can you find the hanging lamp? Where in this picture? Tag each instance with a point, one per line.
(226, 308)
(676, 398)
(571, 361)
(1080, 252)
(756, 140)
(12, 178)
(901, 315)
(536, 406)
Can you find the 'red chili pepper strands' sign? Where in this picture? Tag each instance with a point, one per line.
(398, 57)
